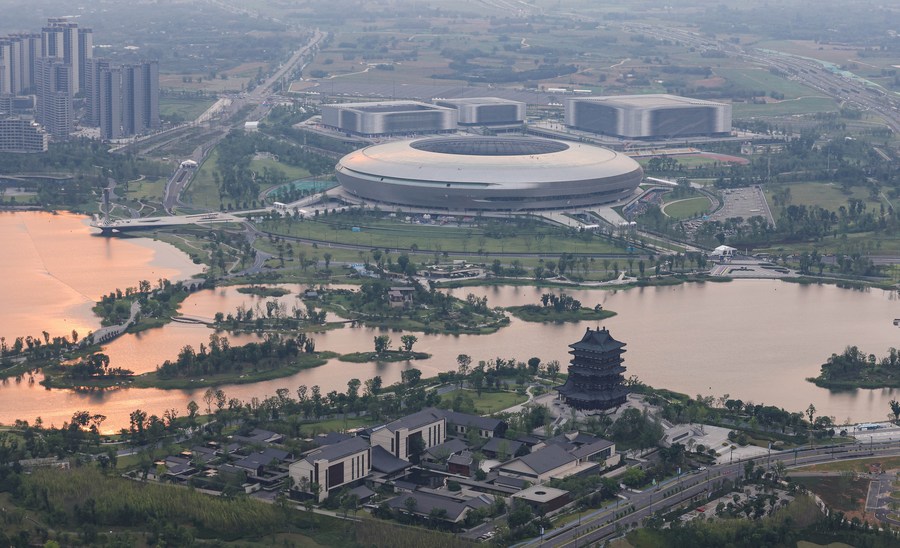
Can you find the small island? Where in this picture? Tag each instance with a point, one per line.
(263, 291)
(383, 352)
(856, 369)
(559, 308)
(377, 303)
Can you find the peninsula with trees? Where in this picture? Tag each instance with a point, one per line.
(853, 368)
(215, 364)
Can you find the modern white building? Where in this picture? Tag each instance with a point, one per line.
(333, 467)
(488, 174)
(486, 111)
(652, 116)
(22, 135)
(389, 118)
(397, 437)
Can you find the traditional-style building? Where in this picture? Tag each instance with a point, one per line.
(595, 373)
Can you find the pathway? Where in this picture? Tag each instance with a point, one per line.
(112, 331)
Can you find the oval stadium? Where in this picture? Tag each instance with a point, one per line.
(488, 173)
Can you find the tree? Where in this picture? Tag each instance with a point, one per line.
(353, 389)
(221, 399)
(478, 379)
(811, 413)
(411, 377)
(553, 369)
(520, 514)
(895, 409)
(463, 361)
(208, 398)
(410, 504)
(349, 502)
(382, 344)
(437, 515)
(192, 409)
(408, 341)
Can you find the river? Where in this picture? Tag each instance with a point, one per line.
(756, 340)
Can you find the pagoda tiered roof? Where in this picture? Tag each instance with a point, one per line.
(595, 378)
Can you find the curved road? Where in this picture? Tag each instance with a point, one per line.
(603, 524)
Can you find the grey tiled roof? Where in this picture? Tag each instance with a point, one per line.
(464, 459)
(338, 450)
(449, 447)
(475, 421)
(426, 502)
(330, 438)
(262, 458)
(386, 463)
(493, 445)
(546, 459)
(416, 420)
(591, 448)
(597, 341)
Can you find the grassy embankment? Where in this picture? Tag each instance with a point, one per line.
(130, 513)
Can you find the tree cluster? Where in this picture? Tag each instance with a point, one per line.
(221, 357)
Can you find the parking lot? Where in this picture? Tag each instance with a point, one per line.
(744, 203)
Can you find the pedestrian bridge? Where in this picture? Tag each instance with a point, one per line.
(108, 226)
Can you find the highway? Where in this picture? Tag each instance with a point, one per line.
(849, 91)
(260, 96)
(603, 524)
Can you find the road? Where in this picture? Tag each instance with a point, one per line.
(843, 87)
(604, 523)
(260, 96)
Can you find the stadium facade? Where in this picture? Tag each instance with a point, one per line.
(486, 111)
(387, 118)
(488, 174)
(655, 116)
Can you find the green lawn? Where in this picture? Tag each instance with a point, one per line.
(861, 242)
(202, 192)
(805, 105)
(686, 160)
(827, 195)
(396, 235)
(687, 208)
(762, 80)
(488, 402)
(147, 190)
(292, 172)
(859, 465)
(185, 108)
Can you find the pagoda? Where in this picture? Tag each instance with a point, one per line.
(595, 373)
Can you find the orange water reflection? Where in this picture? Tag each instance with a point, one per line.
(755, 340)
(54, 270)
